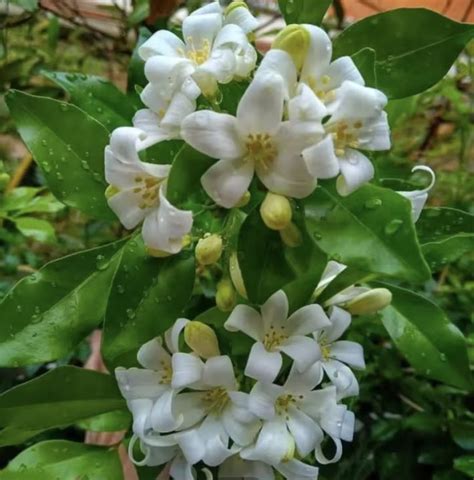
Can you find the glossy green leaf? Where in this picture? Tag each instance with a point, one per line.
(35, 228)
(370, 230)
(429, 341)
(69, 147)
(58, 398)
(267, 264)
(15, 436)
(465, 465)
(365, 61)
(107, 422)
(28, 5)
(304, 11)
(61, 459)
(445, 234)
(463, 433)
(414, 47)
(136, 67)
(98, 97)
(147, 296)
(48, 313)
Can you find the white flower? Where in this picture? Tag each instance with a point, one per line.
(139, 193)
(214, 415)
(296, 417)
(275, 334)
(210, 53)
(150, 392)
(256, 140)
(357, 121)
(337, 354)
(418, 197)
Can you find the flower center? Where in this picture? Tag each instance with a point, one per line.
(284, 402)
(147, 187)
(345, 135)
(198, 55)
(216, 400)
(325, 352)
(274, 338)
(260, 150)
(320, 87)
(166, 373)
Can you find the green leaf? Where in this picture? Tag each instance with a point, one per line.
(61, 459)
(429, 341)
(268, 265)
(107, 422)
(445, 234)
(370, 230)
(365, 61)
(58, 398)
(414, 47)
(40, 230)
(28, 5)
(47, 314)
(147, 296)
(465, 465)
(304, 11)
(69, 147)
(18, 199)
(463, 433)
(15, 436)
(136, 67)
(98, 97)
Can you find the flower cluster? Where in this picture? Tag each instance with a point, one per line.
(190, 410)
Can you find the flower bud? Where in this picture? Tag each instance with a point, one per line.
(225, 295)
(233, 6)
(291, 235)
(4, 180)
(276, 211)
(201, 339)
(209, 249)
(294, 40)
(110, 191)
(369, 302)
(244, 200)
(236, 275)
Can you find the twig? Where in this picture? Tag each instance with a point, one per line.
(369, 4)
(411, 403)
(468, 11)
(20, 172)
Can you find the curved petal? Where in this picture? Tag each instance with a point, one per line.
(213, 7)
(192, 407)
(275, 310)
(356, 169)
(321, 457)
(338, 422)
(163, 417)
(238, 468)
(202, 128)
(154, 98)
(126, 205)
(260, 109)
(306, 106)
(307, 320)
(263, 365)
(242, 17)
(187, 370)
(199, 31)
(375, 134)
(180, 469)
(321, 159)
(341, 70)
(162, 42)
(191, 445)
(351, 353)
(152, 355)
(136, 383)
(219, 372)
(279, 62)
(319, 53)
(220, 66)
(306, 432)
(179, 108)
(246, 59)
(294, 469)
(227, 181)
(301, 383)
(340, 321)
(140, 409)
(159, 455)
(342, 377)
(303, 350)
(173, 333)
(149, 122)
(262, 399)
(242, 433)
(318, 402)
(217, 451)
(167, 73)
(246, 320)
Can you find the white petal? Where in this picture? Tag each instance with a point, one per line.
(162, 42)
(306, 106)
(319, 53)
(296, 470)
(341, 70)
(191, 445)
(275, 310)
(317, 402)
(231, 36)
(279, 62)
(159, 455)
(155, 99)
(262, 399)
(340, 321)
(152, 355)
(307, 320)
(263, 365)
(339, 422)
(321, 160)
(137, 383)
(260, 109)
(149, 122)
(163, 418)
(241, 433)
(375, 134)
(187, 369)
(213, 7)
(321, 457)
(217, 451)
(220, 66)
(140, 409)
(227, 181)
(303, 350)
(242, 17)
(167, 73)
(332, 270)
(247, 320)
(192, 407)
(237, 468)
(356, 169)
(202, 128)
(179, 108)
(125, 204)
(300, 383)
(246, 60)
(199, 31)
(351, 353)
(342, 378)
(181, 470)
(219, 372)
(418, 200)
(173, 333)
(306, 432)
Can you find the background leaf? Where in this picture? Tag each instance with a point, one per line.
(28, 5)
(136, 67)
(304, 11)
(429, 341)
(69, 147)
(465, 465)
(415, 47)
(40, 230)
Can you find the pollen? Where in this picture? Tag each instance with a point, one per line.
(283, 403)
(260, 150)
(198, 55)
(216, 400)
(320, 87)
(344, 136)
(274, 338)
(325, 352)
(166, 373)
(147, 188)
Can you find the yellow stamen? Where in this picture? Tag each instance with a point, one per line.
(260, 150)
(216, 400)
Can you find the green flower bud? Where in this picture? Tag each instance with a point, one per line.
(244, 200)
(4, 180)
(209, 249)
(236, 275)
(291, 235)
(369, 302)
(110, 191)
(225, 295)
(233, 6)
(294, 40)
(201, 339)
(276, 211)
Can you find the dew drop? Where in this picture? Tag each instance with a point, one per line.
(101, 262)
(131, 313)
(393, 226)
(373, 203)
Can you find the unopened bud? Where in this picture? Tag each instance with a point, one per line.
(276, 211)
(201, 339)
(369, 302)
(110, 191)
(291, 236)
(4, 180)
(225, 295)
(294, 40)
(209, 249)
(236, 275)
(244, 200)
(233, 6)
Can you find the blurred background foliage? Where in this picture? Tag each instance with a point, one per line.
(409, 426)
